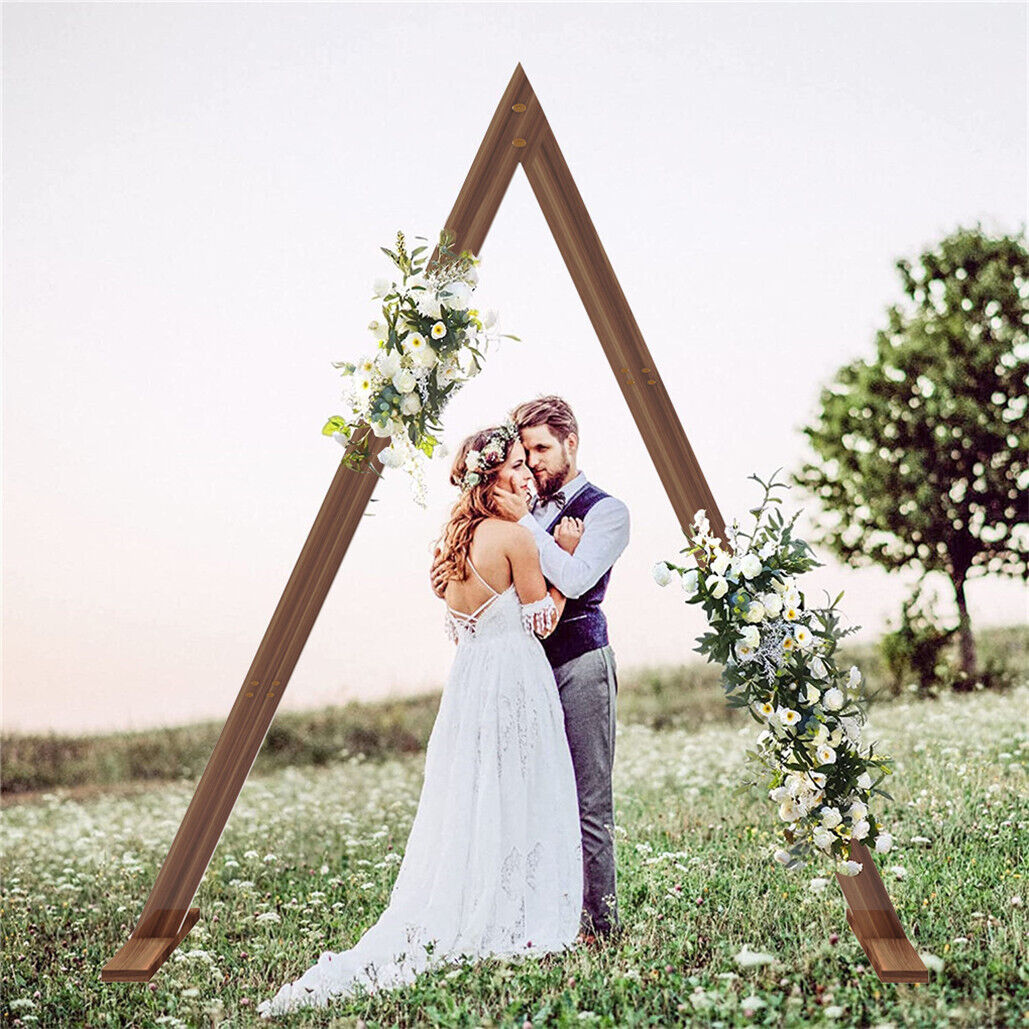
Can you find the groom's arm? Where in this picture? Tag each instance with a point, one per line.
(605, 534)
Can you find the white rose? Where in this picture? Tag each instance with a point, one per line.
(848, 868)
(662, 573)
(860, 829)
(755, 612)
(411, 404)
(751, 636)
(883, 842)
(832, 699)
(456, 295)
(823, 838)
(750, 565)
(857, 810)
(720, 563)
(390, 457)
(772, 603)
(831, 817)
(788, 810)
(381, 287)
(689, 581)
(718, 586)
(817, 666)
(404, 380)
(425, 357)
(381, 430)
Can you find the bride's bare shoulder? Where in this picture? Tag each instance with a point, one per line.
(503, 532)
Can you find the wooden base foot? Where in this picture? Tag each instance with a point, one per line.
(141, 956)
(871, 915)
(893, 958)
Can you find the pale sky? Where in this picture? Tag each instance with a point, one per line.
(194, 200)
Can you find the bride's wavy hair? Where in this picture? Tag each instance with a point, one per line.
(474, 505)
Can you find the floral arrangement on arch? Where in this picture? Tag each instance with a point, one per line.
(429, 342)
(779, 663)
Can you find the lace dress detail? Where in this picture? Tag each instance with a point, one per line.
(538, 617)
(493, 861)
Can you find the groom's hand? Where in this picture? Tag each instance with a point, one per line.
(512, 505)
(439, 583)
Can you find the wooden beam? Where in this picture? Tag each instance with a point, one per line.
(518, 134)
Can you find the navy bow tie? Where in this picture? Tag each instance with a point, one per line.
(556, 498)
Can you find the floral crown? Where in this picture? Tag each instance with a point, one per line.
(491, 454)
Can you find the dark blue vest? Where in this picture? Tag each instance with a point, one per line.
(582, 626)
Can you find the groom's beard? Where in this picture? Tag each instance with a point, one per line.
(551, 483)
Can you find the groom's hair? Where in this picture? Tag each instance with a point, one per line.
(549, 410)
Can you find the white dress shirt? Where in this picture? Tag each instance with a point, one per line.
(605, 535)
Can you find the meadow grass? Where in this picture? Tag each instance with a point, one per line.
(309, 855)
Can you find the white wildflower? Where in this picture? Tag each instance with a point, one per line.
(748, 958)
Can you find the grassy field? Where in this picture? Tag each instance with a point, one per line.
(309, 855)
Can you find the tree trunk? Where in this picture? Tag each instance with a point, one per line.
(966, 641)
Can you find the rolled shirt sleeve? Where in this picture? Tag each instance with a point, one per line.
(605, 535)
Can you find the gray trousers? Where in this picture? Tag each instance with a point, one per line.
(588, 686)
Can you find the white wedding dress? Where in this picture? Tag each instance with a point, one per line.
(493, 862)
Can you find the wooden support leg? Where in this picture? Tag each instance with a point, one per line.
(141, 956)
(871, 915)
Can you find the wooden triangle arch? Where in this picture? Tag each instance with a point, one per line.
(518, 135)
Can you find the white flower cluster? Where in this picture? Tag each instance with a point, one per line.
(779, 663)
(423, 354)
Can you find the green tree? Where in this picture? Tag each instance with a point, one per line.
(923, 447)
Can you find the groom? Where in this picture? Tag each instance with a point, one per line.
(578, 649)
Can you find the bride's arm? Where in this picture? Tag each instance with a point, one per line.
(545, 606)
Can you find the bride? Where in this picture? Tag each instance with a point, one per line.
(493, 862)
